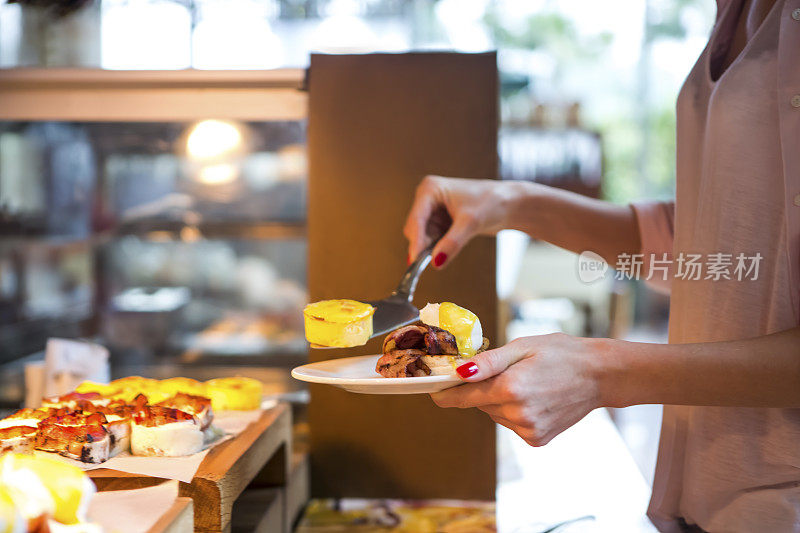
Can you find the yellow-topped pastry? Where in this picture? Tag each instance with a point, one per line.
(101, 388)
(234, 394)
(338, 323)
(173, 386)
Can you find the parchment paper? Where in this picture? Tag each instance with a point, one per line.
(132, 511)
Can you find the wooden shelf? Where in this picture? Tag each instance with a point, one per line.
(225, 472)
(75, 94)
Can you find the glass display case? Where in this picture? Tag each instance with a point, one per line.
(177, 238)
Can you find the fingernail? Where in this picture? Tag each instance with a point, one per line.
(408, 260)
(439, 260)
(467, 369)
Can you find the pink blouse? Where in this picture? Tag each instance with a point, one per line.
(737, 199)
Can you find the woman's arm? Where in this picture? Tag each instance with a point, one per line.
(759, 372)
(484, 207)
(575, 222)
(539, 386)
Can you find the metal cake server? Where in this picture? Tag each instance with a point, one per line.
(398, 309)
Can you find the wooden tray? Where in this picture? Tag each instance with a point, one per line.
(225, 472)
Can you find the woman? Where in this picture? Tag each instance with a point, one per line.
(729, 457)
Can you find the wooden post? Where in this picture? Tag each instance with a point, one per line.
(378, 124)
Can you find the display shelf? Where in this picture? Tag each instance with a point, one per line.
(74, 94)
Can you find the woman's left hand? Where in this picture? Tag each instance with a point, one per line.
(536, 386)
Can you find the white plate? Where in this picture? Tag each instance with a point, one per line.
(357, 374)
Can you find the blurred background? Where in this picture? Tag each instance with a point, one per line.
(181, 244)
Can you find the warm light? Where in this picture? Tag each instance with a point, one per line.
(217, 174)
(190, 234)
(213, 138)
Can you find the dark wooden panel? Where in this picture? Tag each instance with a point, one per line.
(377, 124)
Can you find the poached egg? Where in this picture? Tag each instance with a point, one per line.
(462, 323)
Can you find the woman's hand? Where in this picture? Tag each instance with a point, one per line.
(535, 386)
(459, 208)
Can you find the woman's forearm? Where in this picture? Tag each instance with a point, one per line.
(573, 221)
(759, 372)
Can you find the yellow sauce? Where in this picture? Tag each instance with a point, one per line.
(461, 323)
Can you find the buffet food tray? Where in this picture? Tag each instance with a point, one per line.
(226, 471)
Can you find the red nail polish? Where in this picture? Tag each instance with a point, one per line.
(467, 369)
(408, 260)
(439, 260)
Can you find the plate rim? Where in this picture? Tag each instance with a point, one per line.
(297, 374)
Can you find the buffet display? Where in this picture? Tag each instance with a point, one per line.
(145, 417)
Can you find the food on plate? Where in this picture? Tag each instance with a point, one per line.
(447, 338)
(45, 493)
(19, 439)
(462, 323)
(164, 431)
(198, 406)
(77, 436)
(234, 394)
(338, 323)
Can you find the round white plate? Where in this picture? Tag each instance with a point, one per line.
(357, 374)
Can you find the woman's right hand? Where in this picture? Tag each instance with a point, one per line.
(475, 207)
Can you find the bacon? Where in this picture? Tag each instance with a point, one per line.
(118, 408)
(18, 439)
(79, 400)
(88, 443)
(199, 406)
(440, 342)
(406, 338)
(430, 339)
(197, 403)
(16, 431)
(139, 402)
(75, 419)
(28, 413)
(402, 364)
(157, 415)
